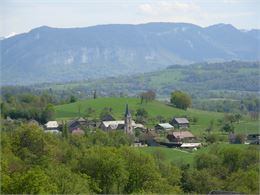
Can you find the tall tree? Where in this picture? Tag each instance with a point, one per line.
(48, 113)
(65, 131)
(181, 100)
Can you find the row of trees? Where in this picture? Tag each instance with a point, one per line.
(28, 106)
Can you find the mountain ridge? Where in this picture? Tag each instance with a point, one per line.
(64, 54)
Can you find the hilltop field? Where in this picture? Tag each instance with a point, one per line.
(154, 109)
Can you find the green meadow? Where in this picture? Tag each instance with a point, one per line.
(179, 156)
(154, 109)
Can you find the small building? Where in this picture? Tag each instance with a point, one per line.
(181, 123)
(76, 124)
(164, 127)
(191, 145)
(112, 125)
(80, 123)
(180, 136)
(253, 138)
(108, 117)
(51, 126)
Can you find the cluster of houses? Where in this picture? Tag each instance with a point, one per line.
(176, 130)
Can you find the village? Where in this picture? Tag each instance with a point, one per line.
(176, 131)
(174, 134)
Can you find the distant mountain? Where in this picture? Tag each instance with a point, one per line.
(54, 54)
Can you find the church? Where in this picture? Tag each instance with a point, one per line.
(128, 124)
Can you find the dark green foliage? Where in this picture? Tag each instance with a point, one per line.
(106, 111)
(72, 99)
(42, 163)
(65, 130)
(180, 100)
(141, 115)
(228, 128)
(95, 95)
(48, 113)
(28, 106)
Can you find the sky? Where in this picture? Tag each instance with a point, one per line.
(18, 16)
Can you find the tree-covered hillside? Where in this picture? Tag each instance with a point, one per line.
(223, 87)
(34, 162)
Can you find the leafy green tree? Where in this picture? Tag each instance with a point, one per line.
(238, 117)
(181, 100)
(210, 127)
(29, 143)
(201, 181)
(95, 95)
(141, 115)
(65, 130)
(228, 128)
(69, 182)
(106, 168)
(48, 113)
(243, 181)
(34, 181)
(144, 176)
(72, 99)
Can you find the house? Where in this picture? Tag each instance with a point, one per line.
(80, 123)
(163, 126)
(76, 124)
(108, 117)
(51, 126)
(180, 136)
(112, 125)
(191, 145)
(253, 138)
(181, 123)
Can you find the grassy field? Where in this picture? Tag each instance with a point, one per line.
(170, 154)
(154, 108)
(178, 156)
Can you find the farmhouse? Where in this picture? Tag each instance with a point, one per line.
(181, 123)
(191, 145)
(127, 124)
(113, 125)
(79, 123)
(108, 117)
(180, 136)
(163, 126)
(51, 126)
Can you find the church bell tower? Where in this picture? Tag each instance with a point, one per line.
(128, 121)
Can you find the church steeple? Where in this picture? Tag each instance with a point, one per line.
(128, 121)
(127, 113)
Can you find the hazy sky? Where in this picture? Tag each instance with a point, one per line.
(17, 16)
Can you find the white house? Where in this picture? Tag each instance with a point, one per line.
(51, 126)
